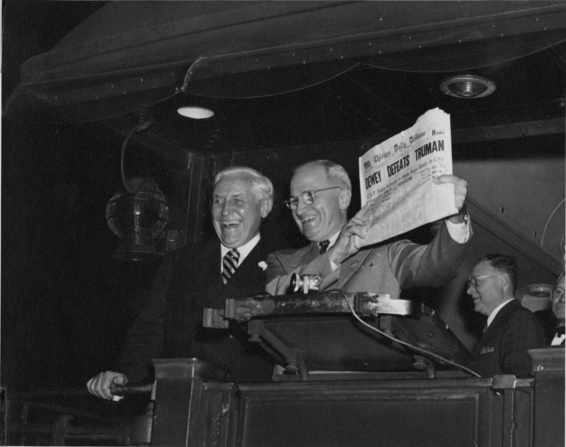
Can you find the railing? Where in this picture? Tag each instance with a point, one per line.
(73, 417)
(194, 407)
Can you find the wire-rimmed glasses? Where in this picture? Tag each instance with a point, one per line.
(307, 196)
(473, 281)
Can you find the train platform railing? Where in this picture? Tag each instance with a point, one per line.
(71, 416)
(194, 406)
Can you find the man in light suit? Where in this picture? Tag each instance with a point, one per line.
(511, 329)
(170, 324)
(321, 192)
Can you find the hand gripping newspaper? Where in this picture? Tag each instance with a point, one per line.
(396, 179)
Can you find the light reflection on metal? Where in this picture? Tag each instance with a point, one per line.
(467, 86)
(305, 283)
(138, 218)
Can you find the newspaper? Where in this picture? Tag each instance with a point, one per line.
(396, 179)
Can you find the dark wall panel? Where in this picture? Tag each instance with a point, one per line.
(66, 302)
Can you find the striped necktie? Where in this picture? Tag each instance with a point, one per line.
(230, 264)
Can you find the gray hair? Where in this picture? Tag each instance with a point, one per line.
(260, 182)
(333, 171)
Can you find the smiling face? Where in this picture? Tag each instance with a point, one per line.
(557, 300)
(328, 212)
(489, 292)
(237, 210)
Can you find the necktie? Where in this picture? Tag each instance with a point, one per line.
(560, 330)
(323, 246)
(230, 264)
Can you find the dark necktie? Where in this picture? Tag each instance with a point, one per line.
(560, 330)
(323, 246)
(230, 264)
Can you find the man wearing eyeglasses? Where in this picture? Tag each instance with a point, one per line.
(321, 192)
(552, 319)
(511, 329)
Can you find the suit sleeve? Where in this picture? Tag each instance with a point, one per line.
(279, 272)
(432, 265)
(144, 340)
(522, 334)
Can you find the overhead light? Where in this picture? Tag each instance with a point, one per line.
(467, 86)
(197, 113)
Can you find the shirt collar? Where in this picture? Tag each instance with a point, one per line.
(496, 310)
(244, 250)
(333, 238)
(557, 340)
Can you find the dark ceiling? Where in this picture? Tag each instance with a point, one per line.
(357, 95)
(369, 103)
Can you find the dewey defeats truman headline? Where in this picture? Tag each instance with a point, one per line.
(393, 168)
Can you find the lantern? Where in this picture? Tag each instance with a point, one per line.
(138, 217)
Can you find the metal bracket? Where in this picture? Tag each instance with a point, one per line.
(294, 362)
(332, 302)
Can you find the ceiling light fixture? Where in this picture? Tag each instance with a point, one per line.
(467, 86)
(197, 113)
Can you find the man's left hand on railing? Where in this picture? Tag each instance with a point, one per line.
(100, 384)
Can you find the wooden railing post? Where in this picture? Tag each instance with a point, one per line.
(177, 420)
(548, 369)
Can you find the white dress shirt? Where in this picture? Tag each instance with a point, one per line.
(244, 250)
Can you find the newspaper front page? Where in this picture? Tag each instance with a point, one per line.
(396, 179)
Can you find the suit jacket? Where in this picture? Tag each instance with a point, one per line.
(170, 324)
(503, 347)
(384, 268)
(549, 324)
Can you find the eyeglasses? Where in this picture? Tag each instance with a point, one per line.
(474, 280)
(307, 196)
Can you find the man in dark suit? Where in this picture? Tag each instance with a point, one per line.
(552, 319)
(321, 192)
(170, 324)
(511, 329)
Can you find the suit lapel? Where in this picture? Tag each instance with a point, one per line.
(245, 270)
(208, 280)
(310, 252)
(501, 316)
(495, 325)
(347, 269)
(300, 257)
(210, 268)
(248, 277)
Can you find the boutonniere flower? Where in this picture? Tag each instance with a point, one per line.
(262, 265)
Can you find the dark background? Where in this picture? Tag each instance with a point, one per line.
(66, 302)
